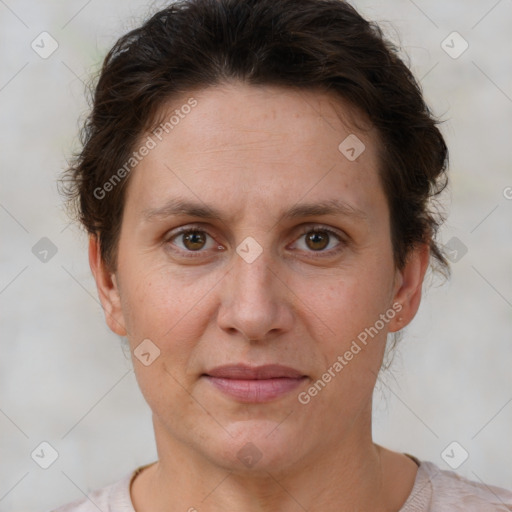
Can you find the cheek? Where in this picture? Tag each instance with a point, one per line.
(347, 323)
(153, 302)
(350, 351)
(168, 394)
(160, 307)
(160, 310)
(352, 302)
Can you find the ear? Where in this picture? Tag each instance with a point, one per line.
(108, 290)
(408, 285)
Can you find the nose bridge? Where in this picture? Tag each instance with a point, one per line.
(252, 274)
(252, 302)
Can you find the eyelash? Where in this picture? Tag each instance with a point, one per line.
(305, 231)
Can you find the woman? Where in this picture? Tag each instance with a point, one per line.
(256, 180)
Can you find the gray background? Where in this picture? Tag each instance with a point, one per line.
(64, 377)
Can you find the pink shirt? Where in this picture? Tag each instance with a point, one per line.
(434, 490)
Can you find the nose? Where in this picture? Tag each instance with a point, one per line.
(255, 301)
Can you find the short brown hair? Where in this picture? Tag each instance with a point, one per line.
(309, 44)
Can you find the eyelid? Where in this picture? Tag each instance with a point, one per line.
(314, 227)
(186, 229)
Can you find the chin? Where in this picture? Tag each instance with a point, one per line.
(257, 446)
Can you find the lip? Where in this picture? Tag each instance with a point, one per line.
(254, 384)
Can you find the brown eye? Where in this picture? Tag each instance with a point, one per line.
(190, 240)
(320, 240)
(317, 240)
(194, 240)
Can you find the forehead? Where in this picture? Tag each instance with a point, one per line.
(259, 145)
(246, 110)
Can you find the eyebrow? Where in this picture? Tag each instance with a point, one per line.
(177, 206)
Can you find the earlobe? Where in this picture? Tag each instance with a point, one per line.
(408, 286)
(108, 289)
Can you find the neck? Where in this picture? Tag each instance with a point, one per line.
(348, 477)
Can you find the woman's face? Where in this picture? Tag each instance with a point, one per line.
(253, 171)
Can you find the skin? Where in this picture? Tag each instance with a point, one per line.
(253, 152)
